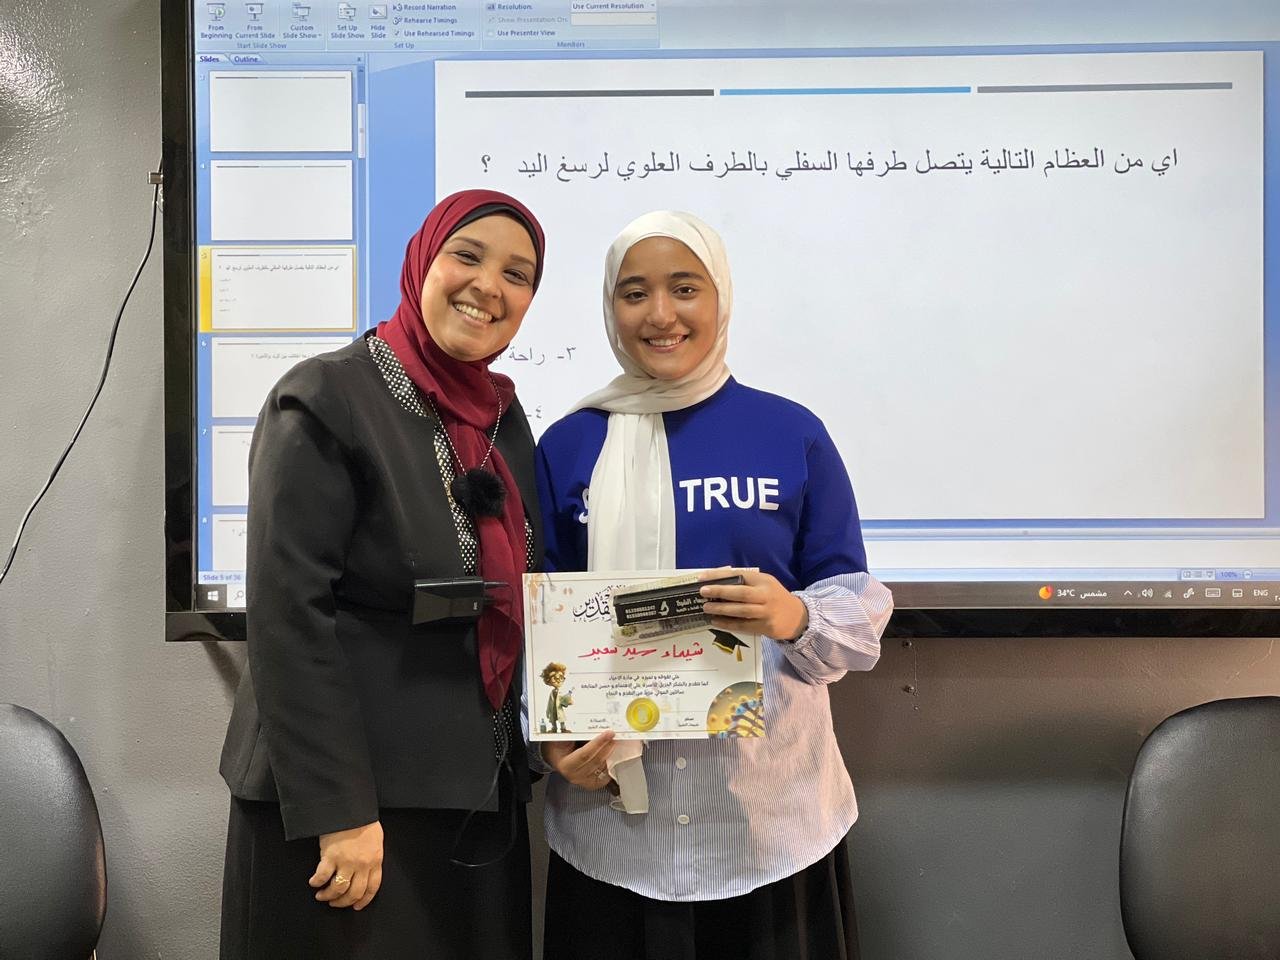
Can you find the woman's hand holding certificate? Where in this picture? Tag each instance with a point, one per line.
(760, 605)
(583, 765)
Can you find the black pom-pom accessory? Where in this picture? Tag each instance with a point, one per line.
(479, 492)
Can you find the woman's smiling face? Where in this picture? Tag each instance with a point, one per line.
(479, 287)
(665, 307)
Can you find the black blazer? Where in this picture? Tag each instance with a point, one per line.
(345, 707)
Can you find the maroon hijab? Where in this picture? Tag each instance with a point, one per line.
(463, 393)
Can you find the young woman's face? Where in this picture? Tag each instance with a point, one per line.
(665, 306)
(478, 288)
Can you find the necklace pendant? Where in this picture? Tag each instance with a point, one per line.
(478, 492)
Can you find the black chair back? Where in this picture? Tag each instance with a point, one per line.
(53, 881)
(1200, 844)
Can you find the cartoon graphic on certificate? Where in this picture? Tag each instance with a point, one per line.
(632, 652)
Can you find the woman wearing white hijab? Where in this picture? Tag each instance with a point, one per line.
(740, 849)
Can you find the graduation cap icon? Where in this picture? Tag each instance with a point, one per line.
(728, 642)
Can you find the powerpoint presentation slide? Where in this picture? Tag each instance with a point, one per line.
(281, 111)
(278, 288)
(282, 200)
(244, 369)
(1012, 286)
(228, 540)
(230, 448)
(582, 678)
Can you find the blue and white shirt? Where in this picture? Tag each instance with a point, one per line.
(757, 483)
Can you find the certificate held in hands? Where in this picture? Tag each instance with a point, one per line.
(634, 654)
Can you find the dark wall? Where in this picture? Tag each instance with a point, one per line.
(991, 778)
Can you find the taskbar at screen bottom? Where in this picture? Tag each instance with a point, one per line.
(990, 595)
(1136, 594)
(972, 609)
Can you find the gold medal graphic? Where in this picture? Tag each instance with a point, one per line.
(642, 714)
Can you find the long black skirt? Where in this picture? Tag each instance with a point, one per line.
(428, 907)
(807, 916)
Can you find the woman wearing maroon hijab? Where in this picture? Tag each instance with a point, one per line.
(377, 768)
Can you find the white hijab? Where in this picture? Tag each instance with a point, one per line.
(631, 514)
(631, 491)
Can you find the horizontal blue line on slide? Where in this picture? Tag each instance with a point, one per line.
(833, 91)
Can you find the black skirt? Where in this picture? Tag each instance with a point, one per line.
(427, 907)
(807, 916)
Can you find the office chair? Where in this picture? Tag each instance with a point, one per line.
(53, 885)
(1200, 843)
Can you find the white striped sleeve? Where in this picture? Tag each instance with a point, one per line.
(847, 616)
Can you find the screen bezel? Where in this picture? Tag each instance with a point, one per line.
(185, 621)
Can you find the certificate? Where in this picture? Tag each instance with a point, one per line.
(582, 679)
